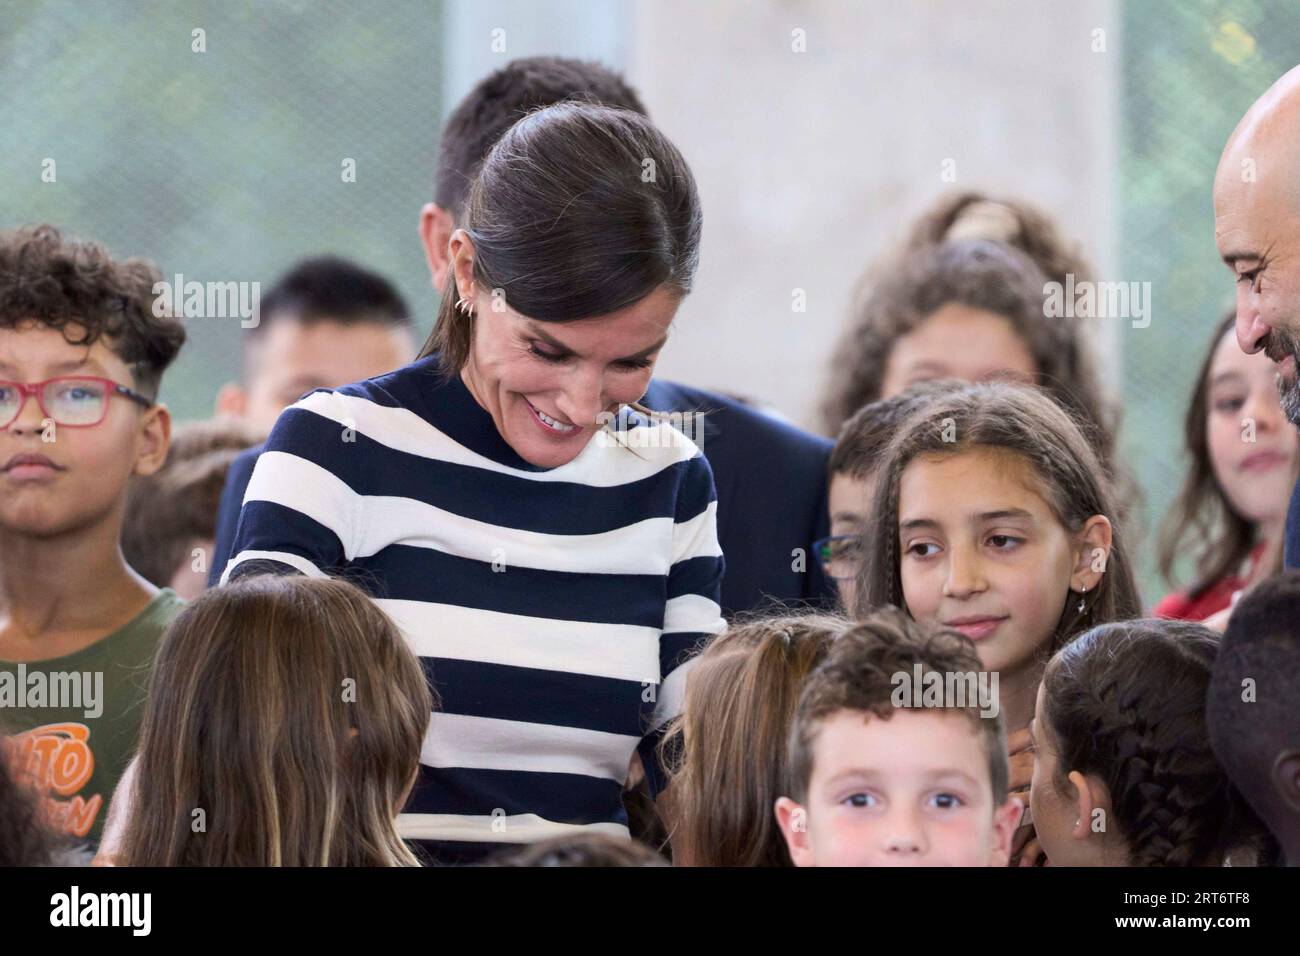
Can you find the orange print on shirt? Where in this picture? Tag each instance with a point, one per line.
(60, 762)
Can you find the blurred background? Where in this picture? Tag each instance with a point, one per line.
(225, 165)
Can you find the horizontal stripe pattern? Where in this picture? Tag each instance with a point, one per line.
(554, 611)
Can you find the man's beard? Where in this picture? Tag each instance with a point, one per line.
(1277, 346)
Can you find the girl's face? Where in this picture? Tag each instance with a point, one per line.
(991, 561)
(958, 342)
(1054, 814)
(546, 384)
(1242, 403)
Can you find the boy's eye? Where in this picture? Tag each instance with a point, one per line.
(947, 801)
(860, 800)
(635, 365)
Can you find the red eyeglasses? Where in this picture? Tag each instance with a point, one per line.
(74, 402)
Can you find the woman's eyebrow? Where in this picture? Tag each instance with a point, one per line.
(1227, 376)
(561, 347)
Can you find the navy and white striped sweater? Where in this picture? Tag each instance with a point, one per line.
(553, 609)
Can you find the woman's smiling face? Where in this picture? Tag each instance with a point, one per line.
(546, 384)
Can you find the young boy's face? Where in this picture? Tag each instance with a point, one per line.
(56, 479)
(848, 502)
(293, 358)
(912, 790)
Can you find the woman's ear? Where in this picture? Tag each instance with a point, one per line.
(1092, 553)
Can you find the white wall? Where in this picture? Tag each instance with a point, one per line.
(810, 164)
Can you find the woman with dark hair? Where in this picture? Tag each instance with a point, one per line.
(549, 550)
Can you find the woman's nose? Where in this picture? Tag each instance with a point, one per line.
(582, 399)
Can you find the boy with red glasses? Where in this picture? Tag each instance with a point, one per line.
(81, 357)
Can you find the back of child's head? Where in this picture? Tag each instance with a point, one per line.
(982, 275)
(726, 750)
(970, 214)
(867, 433)
(860, 674)
(77, 288)
(174, 510)
(285, 715)
(583, 849)
(1022, 422)
(1125, 703)
(1253, 709)
(25, 837)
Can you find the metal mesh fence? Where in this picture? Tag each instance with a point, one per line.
(1191, 69)
(225, 163)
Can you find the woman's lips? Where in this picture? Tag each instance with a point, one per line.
(976, 628)
(552, 432)
(1262, 461)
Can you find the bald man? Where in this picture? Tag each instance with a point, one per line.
(1257, 229)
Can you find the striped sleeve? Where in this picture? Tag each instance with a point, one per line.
(693, 613)
(299, 512)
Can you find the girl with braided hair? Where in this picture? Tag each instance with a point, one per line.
(1123, 770)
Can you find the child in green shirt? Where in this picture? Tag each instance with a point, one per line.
(82, 352)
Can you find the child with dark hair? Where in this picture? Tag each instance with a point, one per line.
(969, 308)
(324, 323)
(82, 354)
(881, 776)
(1244, 457)
(1123, 770)
(1252, 713)
(582, 849)
(857, 453)
(171, 515)
(24, 839)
